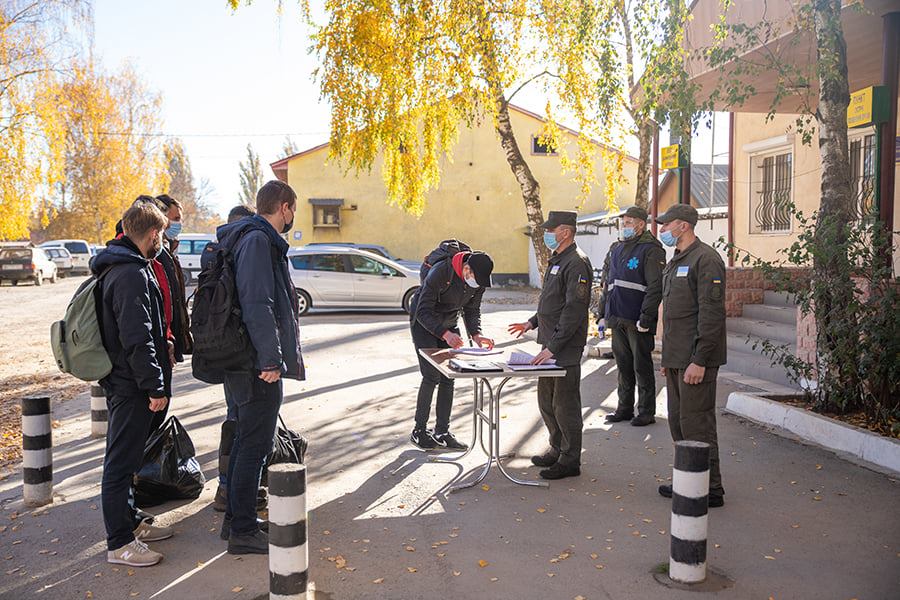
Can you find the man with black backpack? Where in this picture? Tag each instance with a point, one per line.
(133, 329)
(453, 279)
(252, 348)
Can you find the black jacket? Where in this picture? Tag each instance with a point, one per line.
(132, 323)
(266, 294)
(562, 315)
(443, 294)
(180, 319)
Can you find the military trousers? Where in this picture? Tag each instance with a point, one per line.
(692, 416)
(559, 400)
(632, 350)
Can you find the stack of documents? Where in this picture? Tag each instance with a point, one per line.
(521, 361)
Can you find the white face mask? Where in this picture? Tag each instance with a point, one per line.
(471, 281)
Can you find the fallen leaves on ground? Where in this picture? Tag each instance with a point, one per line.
(237, 589)
(483, 563)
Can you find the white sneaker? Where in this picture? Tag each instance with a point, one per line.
(134, 554)
(152, 533)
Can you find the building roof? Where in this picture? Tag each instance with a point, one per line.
(279, 167)
(700, 188)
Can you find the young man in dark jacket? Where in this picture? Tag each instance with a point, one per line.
(269, 311)
(139, 385)
(181, 329)
(452, 285)
(632, 291)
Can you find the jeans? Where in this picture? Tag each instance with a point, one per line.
(230, 415)
(634, 362)
(559, 400)
(256, 405)
(431, 378)
(127, 431)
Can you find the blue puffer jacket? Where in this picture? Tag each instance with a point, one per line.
(132, 323)
(266, 295)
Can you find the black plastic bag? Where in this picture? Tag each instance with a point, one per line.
(169, 470)
(287, 447)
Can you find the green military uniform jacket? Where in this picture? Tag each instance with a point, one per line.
(694, 308)
(562, 315)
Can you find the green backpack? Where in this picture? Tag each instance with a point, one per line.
(76, 340)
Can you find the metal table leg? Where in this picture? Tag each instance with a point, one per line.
(496, 444)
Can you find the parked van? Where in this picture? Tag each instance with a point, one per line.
(190, 247)
(80, 251)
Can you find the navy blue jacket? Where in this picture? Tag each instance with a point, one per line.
(266, 295)
(132, 322)
(632, 281)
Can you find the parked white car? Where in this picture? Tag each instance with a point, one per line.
(26, 264)
(190, 247)
(63, 260)
(80, 251)
(344, 277)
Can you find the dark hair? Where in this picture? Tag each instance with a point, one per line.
(141, 218)
(272, 195)
(168, 200)
(239, 212)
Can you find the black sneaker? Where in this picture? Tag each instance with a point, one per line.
(665, 491)
(448, 440)
(256, 543)
(617, 417)
(642, 420)
(548, 459)
(225, 532)
(423, 438)
(559, 471)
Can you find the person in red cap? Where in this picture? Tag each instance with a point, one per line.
(454, 283)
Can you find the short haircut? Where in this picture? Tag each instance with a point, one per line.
(169, 201)
(239, 212)
(141, 218)
(272, 195)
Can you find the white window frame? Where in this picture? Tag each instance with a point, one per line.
(759, 151)
(860, 135)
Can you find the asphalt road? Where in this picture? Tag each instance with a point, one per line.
(799, 522)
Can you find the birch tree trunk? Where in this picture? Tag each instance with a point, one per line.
(645, 138)
(531, 189)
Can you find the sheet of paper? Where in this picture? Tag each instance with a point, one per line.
(517, 357)
(532, 367)
(475, 351)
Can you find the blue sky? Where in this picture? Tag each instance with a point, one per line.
(233, 78)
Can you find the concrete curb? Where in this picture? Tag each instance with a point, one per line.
(839, 437)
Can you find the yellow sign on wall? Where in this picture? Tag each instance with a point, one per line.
(670, 156)
(867, 106)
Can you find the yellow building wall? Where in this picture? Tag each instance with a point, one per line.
(478, 200)
(806, 183)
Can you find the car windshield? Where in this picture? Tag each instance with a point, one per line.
(77, 247)
(16, 254)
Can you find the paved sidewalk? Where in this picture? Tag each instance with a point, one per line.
(798, 523)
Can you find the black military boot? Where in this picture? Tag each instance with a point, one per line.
(619, 416)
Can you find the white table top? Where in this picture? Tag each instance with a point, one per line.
(440, 358)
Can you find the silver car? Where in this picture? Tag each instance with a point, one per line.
(63, 260)
(344, 277)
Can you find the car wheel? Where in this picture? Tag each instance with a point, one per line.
(39, 278)
(407, 299)
(304, 302)
(53, 278)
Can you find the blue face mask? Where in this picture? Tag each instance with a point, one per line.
(174, 230)
(627, 233)
(667, 238)
(550, 240)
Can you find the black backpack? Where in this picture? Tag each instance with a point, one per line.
(221, 340)
(446, 249)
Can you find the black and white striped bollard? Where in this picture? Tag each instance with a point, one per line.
(288, 551)
(690, 499)
(37, 451)
(99, 413)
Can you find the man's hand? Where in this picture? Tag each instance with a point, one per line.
(453, 340)
(270, 376)
(519, 329)
(641, 329)
(662, 371)
(694, 374)
(601, 323)
(542, 357)
(483, 342)
(171, 346)
(158, 404)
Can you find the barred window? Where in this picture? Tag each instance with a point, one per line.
(770, 194)
(862, 176)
